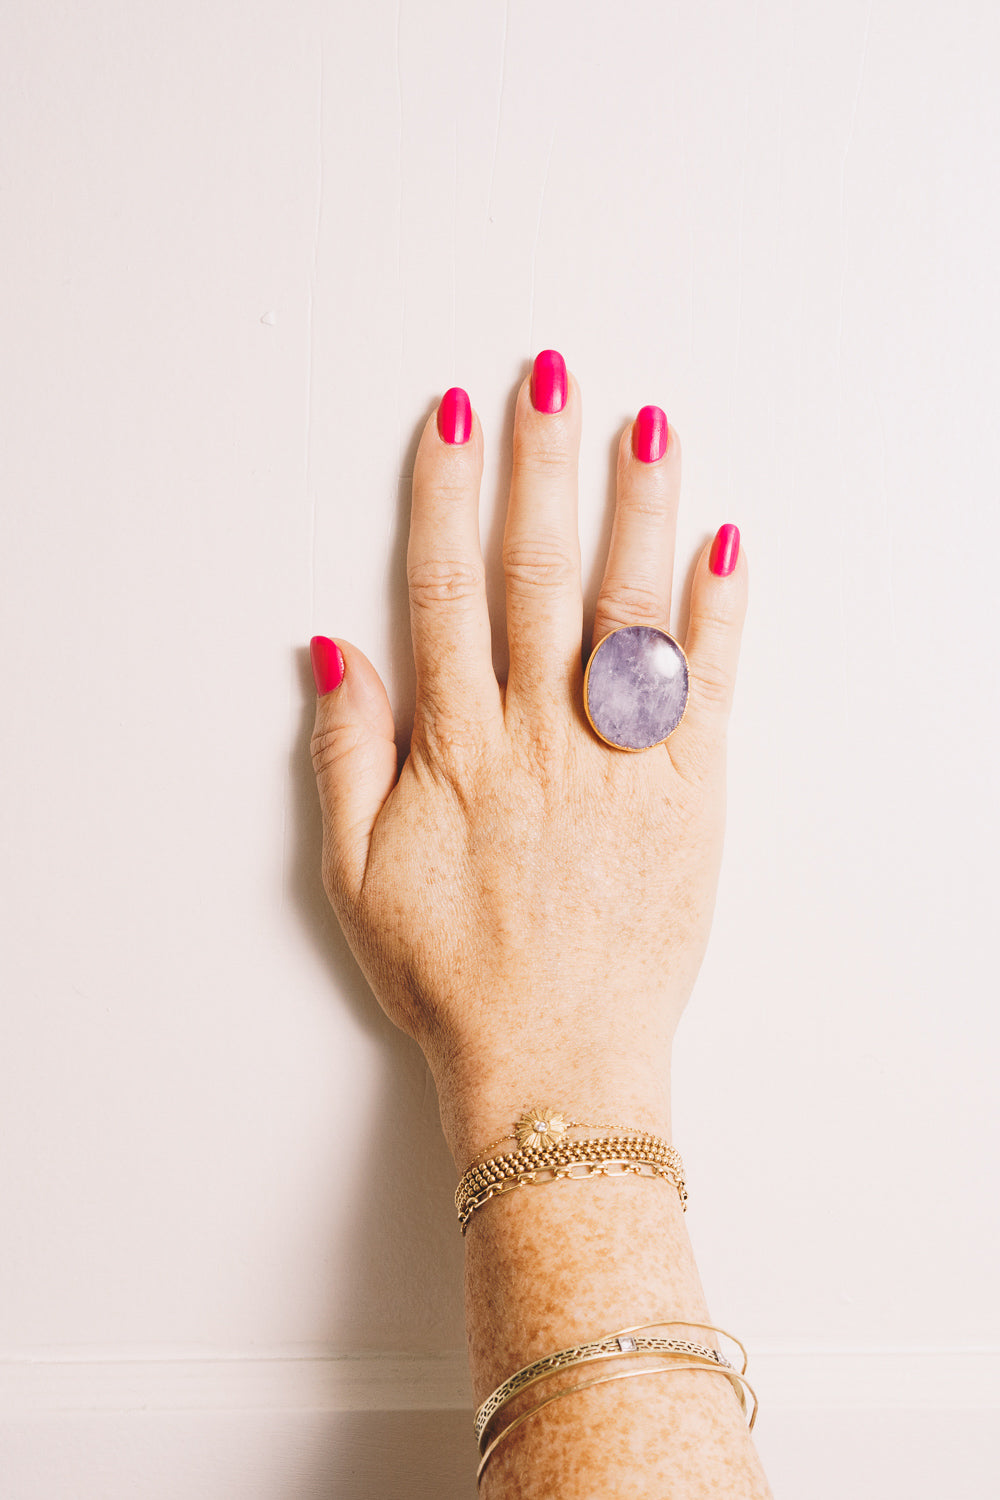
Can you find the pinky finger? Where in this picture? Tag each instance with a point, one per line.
(718, 608)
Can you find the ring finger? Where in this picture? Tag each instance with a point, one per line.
(638, 577)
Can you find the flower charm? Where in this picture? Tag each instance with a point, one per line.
(539, 1127)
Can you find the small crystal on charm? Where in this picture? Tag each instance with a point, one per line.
(637, 687)
(626, 1345)
(537, 1128)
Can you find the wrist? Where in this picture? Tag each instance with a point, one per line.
(479, 1109)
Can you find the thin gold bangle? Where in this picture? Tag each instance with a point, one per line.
(642, 1348)
(690, 1323)
(589, 1352)
(731, 1375)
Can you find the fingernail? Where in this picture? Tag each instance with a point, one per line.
(455, 416)
(327, 664)
(649, 434)
(725, 551)
(548, 381)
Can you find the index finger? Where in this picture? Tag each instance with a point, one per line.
(449, 616)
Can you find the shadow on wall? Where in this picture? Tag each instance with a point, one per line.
(393, 1455)
(242, 1454)
(401, 1272)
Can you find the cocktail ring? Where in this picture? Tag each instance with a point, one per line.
(635, 688)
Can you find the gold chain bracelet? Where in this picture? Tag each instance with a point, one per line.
(637, 1152)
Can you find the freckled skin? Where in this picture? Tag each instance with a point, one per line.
(487, 896)
(488, 932)
(544, 1255)
(532, 907)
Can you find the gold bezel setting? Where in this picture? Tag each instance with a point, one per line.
(635, 749)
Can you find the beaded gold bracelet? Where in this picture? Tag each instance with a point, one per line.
(636, 1152)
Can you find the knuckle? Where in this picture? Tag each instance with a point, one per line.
(542, 741)
(329, 746)
(531, 567)
(438, 582)
(542, 459)
(445, 493)
(700, 764)
(712, 684)
(546, 747)
(545, 446)
(447, 724)
(446, 745)
(631, 603)
(716, 618)
(450, 757)
(654, 499)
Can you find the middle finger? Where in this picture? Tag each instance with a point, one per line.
(541, 547)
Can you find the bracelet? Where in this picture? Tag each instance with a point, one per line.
(609, 1346)
(613, 1166)
(733, 1376)
(630, 1153)
(544, 1127)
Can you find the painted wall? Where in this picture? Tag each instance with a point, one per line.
(246, 246)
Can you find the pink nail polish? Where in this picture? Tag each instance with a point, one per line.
(725, 551)
(327, 664)
(455, 416)
(549, 385)
(649, 434)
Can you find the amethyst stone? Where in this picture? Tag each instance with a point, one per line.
(636, 687)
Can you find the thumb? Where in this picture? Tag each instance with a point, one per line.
(354, 756)
(718, 608)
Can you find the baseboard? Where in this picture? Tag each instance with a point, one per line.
(791, 1379)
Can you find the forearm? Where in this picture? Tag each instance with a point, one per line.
(531, 905)
(555, 1265)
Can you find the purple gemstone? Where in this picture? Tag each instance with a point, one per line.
(637, 687)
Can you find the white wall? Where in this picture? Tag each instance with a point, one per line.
(246, 246)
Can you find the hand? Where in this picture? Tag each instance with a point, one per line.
(528, 903)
